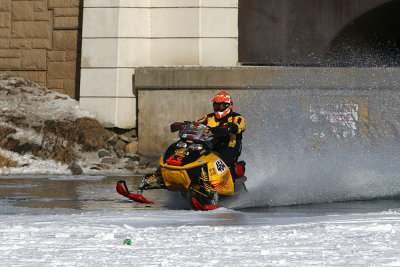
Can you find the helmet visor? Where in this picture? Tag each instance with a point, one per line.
(220, 106)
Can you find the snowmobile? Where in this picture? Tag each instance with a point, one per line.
(191, 166)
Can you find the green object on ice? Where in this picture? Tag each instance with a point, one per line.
(127, 242)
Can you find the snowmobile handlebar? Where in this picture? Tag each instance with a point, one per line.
(177, 126)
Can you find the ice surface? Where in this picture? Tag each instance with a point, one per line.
(188, 238)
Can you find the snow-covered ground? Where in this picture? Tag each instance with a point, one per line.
(221, 237)
(357, 233)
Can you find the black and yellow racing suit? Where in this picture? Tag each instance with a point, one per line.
(228, 135)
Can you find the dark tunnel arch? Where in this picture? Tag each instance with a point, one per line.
(371, 40)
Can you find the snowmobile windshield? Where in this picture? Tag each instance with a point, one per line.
(196, 132)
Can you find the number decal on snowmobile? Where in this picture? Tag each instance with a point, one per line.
(174, 161)
(220, 166)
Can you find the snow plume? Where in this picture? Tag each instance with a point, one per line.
(292, 158)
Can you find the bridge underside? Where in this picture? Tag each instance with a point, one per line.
(319, 32)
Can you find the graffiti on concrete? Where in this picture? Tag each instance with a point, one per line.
(342, 117)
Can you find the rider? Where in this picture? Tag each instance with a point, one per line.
(227, 127)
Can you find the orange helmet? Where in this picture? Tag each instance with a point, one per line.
(222, 104)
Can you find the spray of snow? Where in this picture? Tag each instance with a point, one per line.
(283, 168)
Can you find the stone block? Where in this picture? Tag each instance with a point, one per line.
(10, 63)
(60, 91)
(65, 40)
(4, 43)
(225, 18)
(105, 22)
(219, 3)
(74, 3)
(175, 51)
(219, 52)
(22, 10)
(55, 84)
(20, 43)
(41, 43)
(10, 53)
(34, 76)
(182, 22)
(99, 82)
(108, 18)
(102, 107)
(56, 56)
(107, 82)
(40, 6)
(31, 29)
(66, 22)
(43, 16)
(69, 87)
(33, 59)
(5, 33)
(126, 113)
(111, 111)
(138, 22)
(124, 52)
(5, 5)
(5, 20)
(71, 55)
(132, 147)
(107, 48)
(175, 3)
(61, 70)
(133, 52)
(66, 12)
(125, 82)
(124, 3)
(62, 3)
(57, 3)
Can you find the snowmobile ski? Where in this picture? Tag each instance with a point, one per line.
(196, 205)
(122, 189)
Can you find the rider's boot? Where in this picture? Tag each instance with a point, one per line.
(151, 181)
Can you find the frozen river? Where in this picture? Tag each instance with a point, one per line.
(82, 221)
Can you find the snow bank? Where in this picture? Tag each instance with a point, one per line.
(44, 131)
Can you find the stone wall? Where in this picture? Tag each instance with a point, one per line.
(40, 41)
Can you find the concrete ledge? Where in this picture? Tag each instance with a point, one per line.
(266, 77)
(357, 103)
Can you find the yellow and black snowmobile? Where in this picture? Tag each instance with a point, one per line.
(192, 167)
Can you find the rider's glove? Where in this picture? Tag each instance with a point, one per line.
(226, 128)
